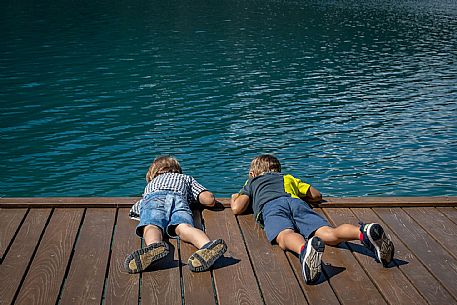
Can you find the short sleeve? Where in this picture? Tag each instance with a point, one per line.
(302, 188)
(246, 189)
(134, 212)
(295, 187)
(196, 188)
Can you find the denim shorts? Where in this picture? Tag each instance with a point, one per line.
(290, 213)
(166, 210)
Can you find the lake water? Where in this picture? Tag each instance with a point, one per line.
(356, 97)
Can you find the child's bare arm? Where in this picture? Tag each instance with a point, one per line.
(206, 198)
(313, 195)
(239, 203)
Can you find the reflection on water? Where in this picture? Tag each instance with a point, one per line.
(357, 98)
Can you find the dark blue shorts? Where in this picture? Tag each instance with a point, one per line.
(166, 210)
(290, 213)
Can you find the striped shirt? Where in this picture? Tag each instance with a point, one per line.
(182, 184)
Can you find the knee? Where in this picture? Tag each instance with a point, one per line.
(281, 238)
(182, 228)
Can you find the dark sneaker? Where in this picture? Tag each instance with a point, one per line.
(375, 239)
(311, 258)
(205, 257)
(140, 259)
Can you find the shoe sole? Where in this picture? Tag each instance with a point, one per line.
(311, 265)
(203, 259)
(383, 247)
(141, 259)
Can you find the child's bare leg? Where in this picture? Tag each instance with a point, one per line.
(334, 236)
(192, 235)
(209, 251)
(310, 255)
(154, 250)
(152, 234)
(290, 240)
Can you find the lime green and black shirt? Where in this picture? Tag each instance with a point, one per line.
(269, 186)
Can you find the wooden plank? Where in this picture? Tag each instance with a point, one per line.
(126, 202)
(15, 264)
(198, 287)
(366, 202)
(234, 277)
(46, 273)
(441, 228)
(348, 279)
(85, 280)
(436, 259)
(68, 202)
(450, 213)
(407, 262)
(161, 283)
(10, 220)
(122, 288)
(276, 279)
(315, 294)
(391, 282)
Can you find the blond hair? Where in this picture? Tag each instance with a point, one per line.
(264, 164)
(162, 165)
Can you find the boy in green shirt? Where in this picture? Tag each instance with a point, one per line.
(276, 200)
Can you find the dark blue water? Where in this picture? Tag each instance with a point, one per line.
(356, 97)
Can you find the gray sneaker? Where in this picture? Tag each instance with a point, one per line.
(311, 258)
(375, 239)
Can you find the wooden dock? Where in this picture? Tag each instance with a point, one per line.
(71, 251)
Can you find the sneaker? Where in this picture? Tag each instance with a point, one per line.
(311, 258)
(205, 257)
(375, 239)
(139, 260)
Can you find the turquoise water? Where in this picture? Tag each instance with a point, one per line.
(356, 97)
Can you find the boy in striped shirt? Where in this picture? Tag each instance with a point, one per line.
(165, 209)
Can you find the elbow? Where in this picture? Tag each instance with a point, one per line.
(211, 200)
(207, 198)
(237, 209)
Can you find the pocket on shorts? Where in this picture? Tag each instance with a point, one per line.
(153, 203)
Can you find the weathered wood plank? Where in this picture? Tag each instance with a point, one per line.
(85, 280)
(15, 264)
(348, 279)
(437, 260)
(367, 202)
(44, 278)
(126, 202)
(321, 293)
(234, 277)
(450, 213)
(407, 262)
(276, 279)
(198, 287)
(161, 282)
(441, 228)
(10, 219)
(122, 287)
(66, 201)
(391, 282)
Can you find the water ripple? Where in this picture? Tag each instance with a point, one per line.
(357, 98)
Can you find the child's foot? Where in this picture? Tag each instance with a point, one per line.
(140, 259)
(311, 258)
(375, 239)
(205, 257)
